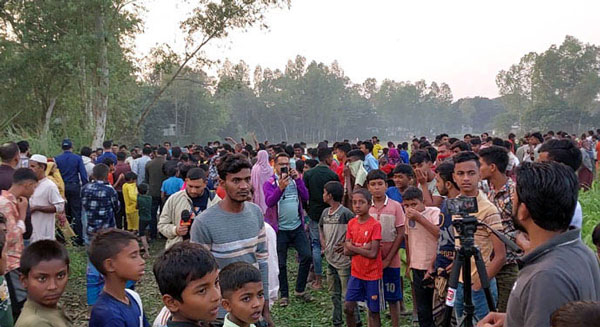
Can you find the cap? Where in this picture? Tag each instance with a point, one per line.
(67, 144)
(39, 158)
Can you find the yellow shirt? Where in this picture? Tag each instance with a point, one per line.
(376, 148)
(130, 194)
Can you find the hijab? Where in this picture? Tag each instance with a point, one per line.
(261, 172)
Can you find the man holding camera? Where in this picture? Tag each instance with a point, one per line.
(467, 176)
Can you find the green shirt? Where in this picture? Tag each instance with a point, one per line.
(36, 315)
(6, 318)
(144, 207)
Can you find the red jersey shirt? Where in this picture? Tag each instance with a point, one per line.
(360, 234)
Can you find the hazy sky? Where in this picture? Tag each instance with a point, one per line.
(461, 42)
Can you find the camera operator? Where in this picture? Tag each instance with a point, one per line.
(466, 175)
(558, 268)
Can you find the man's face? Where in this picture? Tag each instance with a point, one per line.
(415, 204)
(374, 140)
(401, 181)
(360, 204)
(424, 166)
(202, 293)
(298, 152)
(341, 155)
(544, 157)
(271, 152)
(195, 188)
(364, 150)
(247, 303)
(444, 152)
(445, 139)
(441, 185)
(466, 176)
(38, 169)
(282, 162)
(167, 145)
(467, 139)
(475, 147)
(485, 170)
(115, 149)
(46, 282)
(29, 188)
(377, 188)
(238, 185)
(516, 212)
(533, 141)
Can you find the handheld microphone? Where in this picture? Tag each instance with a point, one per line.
(185, 218)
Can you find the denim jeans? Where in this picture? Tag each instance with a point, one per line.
(297, 239)
(479, 301)
(337, 281)
(313, 227)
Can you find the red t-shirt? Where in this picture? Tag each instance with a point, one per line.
(340, 172)
(361, 234)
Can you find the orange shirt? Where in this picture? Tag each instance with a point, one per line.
(390, 216)
(361, 234)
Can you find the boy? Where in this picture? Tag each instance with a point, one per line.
(130, 193)
(188, 279)
(116, 255)
(390, 215)
(362, 243)
(403, 177)
(171, 185)
(422, 233)
(243, 294)
(332, 229)
(144, 206)
(6, 318)
(45, 272)
(421, 164)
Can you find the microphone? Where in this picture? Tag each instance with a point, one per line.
(185, 218)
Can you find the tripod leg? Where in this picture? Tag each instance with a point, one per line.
(452, 285)
(485, 282)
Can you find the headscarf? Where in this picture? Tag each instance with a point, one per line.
(393, 156)
(54, 175)
(261, 172)
(359, 172)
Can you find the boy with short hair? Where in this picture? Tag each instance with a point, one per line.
(171, 185)
(243, 294)
(45, 272)
(188, 279)
(422, 233)
(116, 255)
(403, 176)
(6, 318)
(390, 215)
(130, 194)
(362, 243)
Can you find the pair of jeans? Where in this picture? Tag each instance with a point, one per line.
(479, 301)
(156, 205)
(297, 239)
(337, 281)
(73, 208)
(313, 227)
(423, 298)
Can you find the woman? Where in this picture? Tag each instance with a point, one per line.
(261, 172)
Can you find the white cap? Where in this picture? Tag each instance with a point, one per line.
(39, 158)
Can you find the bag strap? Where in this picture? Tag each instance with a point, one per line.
(138, 300)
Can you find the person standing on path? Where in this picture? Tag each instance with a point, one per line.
(154, 178)
(45, 202)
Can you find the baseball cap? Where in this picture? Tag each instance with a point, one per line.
(67, 144)
(39, 158)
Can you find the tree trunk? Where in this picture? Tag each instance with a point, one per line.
(100, 108)
(48, 117)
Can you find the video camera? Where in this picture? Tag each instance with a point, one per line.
(462, 205)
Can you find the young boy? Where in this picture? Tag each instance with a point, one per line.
(45, 272)
(390, 215)
(116, 255)
(422, 232)
(130, 194)
(188, 279)
(243, 294)
(6, 318)
(332, 229)
(144, 206)
(403, 177)
(171, 185)
(362, 243)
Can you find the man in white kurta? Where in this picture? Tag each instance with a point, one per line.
(45, 202)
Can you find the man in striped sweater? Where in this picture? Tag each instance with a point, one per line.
(234, 229)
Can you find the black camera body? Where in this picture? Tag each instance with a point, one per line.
(462, 205)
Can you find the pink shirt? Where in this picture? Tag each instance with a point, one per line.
(14, 230)
(421, 243)
(390, 216)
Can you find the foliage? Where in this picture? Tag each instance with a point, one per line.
(590, 204)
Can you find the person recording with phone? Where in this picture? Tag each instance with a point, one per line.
(182, 207)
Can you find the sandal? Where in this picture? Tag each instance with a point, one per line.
(284, 302)
(304, 296)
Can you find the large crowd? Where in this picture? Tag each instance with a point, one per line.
(228, 213)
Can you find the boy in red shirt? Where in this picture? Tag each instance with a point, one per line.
(362, 244)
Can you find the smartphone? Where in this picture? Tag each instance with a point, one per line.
(285, 170)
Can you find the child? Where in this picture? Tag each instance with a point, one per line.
(362, 243)
(6, 318)
(390, 215)
(116, 255)
(422, 232)
(243, 294)
(187, 277)
(144, 206)
(45, 272)
(332, 229)
(170, 185)
(403, 177)
(130, 194)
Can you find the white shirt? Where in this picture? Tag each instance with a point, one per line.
(272, 264)
(577, 220)
(138, 166)
(45, 194)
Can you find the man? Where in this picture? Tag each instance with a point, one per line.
(299, 152)
(74, 175)
(45, 202)
(493, 163)
(444, 138)
(139, 164)
(467, 138)
(86, 156)
(13, 205)
(121, 168)
(444, 152)
(342, 154)
(172, 163)
(355, 175)
(466, 175)
(9, 157)
(214, 228)
(376, 147)
(284, 194)
(460, 146)
(420, 161)
(154, 176)
(100, 203)
(167, 145)
(315, 180)
(475, 144)
(108, 153)
(532, 151)
(558, 268)
(370, 163)
(24, 154)
(195, 199)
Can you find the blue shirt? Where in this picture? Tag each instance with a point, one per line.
(370, 163)
(99, 204)
(445, 253)
(404, 156)
(394, 194)
(288, 208)
(105, 155)
(110, 312)
(172, 185)
(71, 168)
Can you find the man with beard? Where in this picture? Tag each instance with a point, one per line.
(559, 268)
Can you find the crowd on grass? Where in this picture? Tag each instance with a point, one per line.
(229, 212)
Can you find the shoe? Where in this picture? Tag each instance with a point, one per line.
(284, 302)
(304, 296)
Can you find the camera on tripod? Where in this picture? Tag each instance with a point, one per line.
(462, 205)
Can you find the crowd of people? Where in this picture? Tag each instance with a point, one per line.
(378, 217)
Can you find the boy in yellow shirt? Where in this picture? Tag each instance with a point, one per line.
(130, 193)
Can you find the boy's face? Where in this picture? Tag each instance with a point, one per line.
(46, 282)
(128, 263)
(415, 204)
(360, 204)
(246, 304)
(401, 181)
(377, 188)
(326, 196)
(200, 300)
(485, 170)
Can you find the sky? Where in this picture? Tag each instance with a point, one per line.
(464, 43)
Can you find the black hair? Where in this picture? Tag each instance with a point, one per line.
(130, 176)
(23, 146)
(596, 235)
(143, 188)
(462, 145)
(467, 135)
(281, 155)
(22, 175)
(232, 164)
(300, 166)
(184, 170)
(475, 141)
(181, 264)
(108, 161)
(549, 191)
(121, 156)
(497, 141)
(107, 144)
(106, 244)
(196, 174)
(44, 250)
(511, 136)
(176, 152)
(313, 152)
(311, 163)
(412, 193)
(100, 171)
(419, 156)
(227, 147)
(344, 147)
(204, 167)
(356, 153)
(445, 170)
(452, 140)
(563, 151)
(86, 151)
(405, 169)
(577, 313)
(146, 151)
(297, 146)
(8, 151)
(376, 174)
(162, 151)
(368, 145)
(335, 189)
(235, 275)
(364, 193)
(289, 150)
(538, 136)
(172, 171)
(323, 154)
(465, 156)
(495, 155)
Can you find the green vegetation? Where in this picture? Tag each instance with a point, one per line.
(590, 203)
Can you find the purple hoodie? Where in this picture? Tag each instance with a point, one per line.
(272, 195)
